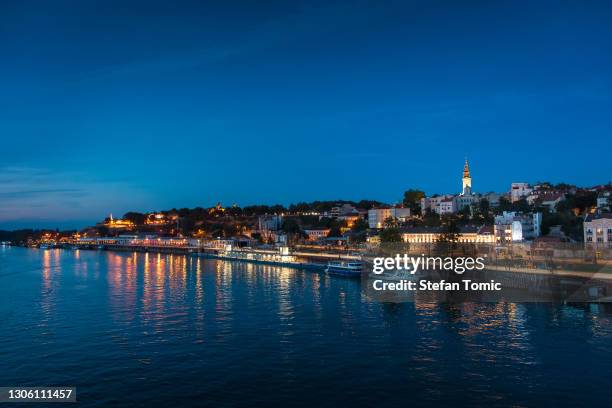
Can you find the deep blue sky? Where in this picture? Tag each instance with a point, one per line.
(111, 106)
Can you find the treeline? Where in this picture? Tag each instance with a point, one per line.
(200, 213)
(570, 214)
(21, 236)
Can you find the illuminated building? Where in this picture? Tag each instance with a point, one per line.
(377, 216)
(350, 219)
(435, 204)
(217, 210)
(513, 227)
(519, 190)
(118, 224)
(160, 219)
(317, 234)
(467, 234)
(598, 229)
(466, 180)
(450, 204)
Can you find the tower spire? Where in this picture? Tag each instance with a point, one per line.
(466, 180)
(466, 169)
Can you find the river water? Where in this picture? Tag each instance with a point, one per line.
(133, 329)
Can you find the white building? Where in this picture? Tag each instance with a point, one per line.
(603, 200)
(377, 216)
(317, 234)
(433, 203)
(466, 198)
(508, 231)
(467, 234)
(466, 181)
(519, 190)
(514, 227)
(463, 201)
(269, 222)
(598, 229)
(342, 210)
(446, 206)
(449, 204)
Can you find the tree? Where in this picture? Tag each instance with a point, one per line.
(358, 231)
(582, 201)
(278, 209)
(135, 217)
(412, 200)
(300, 208)
(359, 225)
(465, 213)
(390, 222)
(183, 212)
(290, 225)
(483, 207)
(564, 186)
(504, 204)
(335, 232)
(451, 232)
(186, 226)
(390, 235)
(431, 218)
(368, 204)
(229, 230)
(233, 211)
(521, 206)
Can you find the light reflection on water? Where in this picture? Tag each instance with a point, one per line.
(163, 329)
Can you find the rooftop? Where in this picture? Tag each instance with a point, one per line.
(465, 229)
(604, 215)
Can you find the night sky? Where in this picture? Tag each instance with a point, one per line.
(114, 106)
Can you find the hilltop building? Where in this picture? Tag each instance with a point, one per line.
(269, 222)
(467, 234)
(450, 204)
(345, 212)
(377, 216)
(317, 234)
(466, 189)
(603, 200)
(160, 219)
(598, 229)
(519, 190)
(515, 227)
(341, 211)
(438, 204)
(118, 224)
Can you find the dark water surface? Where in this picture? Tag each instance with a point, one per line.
(163, 330)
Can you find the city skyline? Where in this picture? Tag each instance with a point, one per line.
(150, 106)
(466, 180)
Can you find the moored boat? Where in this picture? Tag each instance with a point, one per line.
(345, 268)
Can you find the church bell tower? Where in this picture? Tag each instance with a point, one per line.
(467, 180)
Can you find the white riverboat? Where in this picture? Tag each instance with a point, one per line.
(345, 268)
